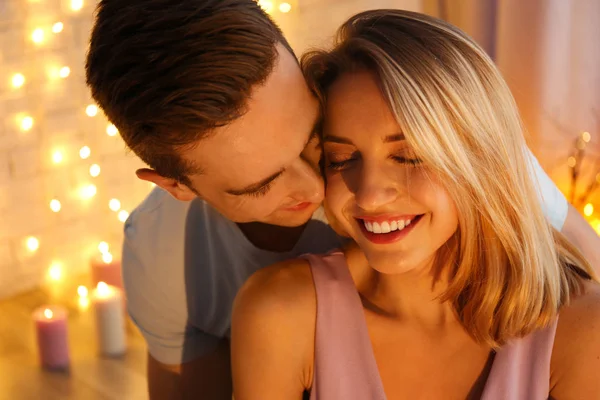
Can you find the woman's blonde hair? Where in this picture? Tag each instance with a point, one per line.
(510, 271)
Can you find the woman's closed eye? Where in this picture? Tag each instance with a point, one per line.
(338, 163)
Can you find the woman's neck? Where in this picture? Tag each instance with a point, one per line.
(411, 296)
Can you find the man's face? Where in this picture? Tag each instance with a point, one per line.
(263, 167)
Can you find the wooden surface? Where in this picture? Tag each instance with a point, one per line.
(90, 376)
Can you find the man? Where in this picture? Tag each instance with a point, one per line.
(209, 94)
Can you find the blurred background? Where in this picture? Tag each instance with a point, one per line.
(67, 183)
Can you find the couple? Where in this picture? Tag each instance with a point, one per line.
(453, 281)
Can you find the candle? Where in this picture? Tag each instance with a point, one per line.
(106, 269)
(51, 330)
(107, 302)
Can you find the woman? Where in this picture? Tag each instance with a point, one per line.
(454, 282)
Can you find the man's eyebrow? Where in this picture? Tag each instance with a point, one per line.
(255, 187)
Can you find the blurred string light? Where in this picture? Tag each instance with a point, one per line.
(57, 27)
(266, 5)
(91, 110)
(55, 205)
(55, 272)
(18, 80)
(88, 191)
(37, 36)
(26, 123)
(285, 7)
(32, 244)
(123, 215)
(114, 205)
(76, 5)
(64, 72)
(103, 247)
(94, 170)
(84, 152)
(57, 157)
(111, 130)
(107, 258)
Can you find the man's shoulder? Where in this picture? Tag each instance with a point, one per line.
(160, 214)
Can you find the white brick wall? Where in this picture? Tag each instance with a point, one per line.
(29, 179)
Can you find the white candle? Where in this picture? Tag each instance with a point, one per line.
(107, 302)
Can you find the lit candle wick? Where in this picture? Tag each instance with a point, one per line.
(48, 313)
(103, 289)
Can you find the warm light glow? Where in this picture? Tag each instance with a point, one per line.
(48, 313)
(57, 27)
(571, 162)
(38, 36)
(586, 136)
(95, 170)
(588, 210)
(91, 110)
(107, 258)
(33, 243)
(266, 5)
(123, 215)
(55, 271)
(76, 5)
(57, 157)
(103, 247)
(596, 225)
(18, 80)
(114, 205)
(285, 7)
(55, 205)
(111, 130)
(88, 191)
(82, 291)
(64, 72)
(103, 290)
(84, 152)
(84, 302)
(27, 123)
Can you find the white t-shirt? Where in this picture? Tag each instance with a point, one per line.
(183, 264)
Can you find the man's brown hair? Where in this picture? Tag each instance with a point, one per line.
(167, 72)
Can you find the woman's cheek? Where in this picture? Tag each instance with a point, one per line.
(335, 200)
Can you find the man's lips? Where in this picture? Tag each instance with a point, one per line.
(299, 206)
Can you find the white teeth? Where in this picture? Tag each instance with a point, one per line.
(386, 226)
(376, 227)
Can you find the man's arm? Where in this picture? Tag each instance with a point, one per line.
(581, 234)
(206, 377)
(562, 215)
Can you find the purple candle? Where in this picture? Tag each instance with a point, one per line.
(51, 328)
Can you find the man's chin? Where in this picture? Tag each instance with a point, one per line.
(295, 218)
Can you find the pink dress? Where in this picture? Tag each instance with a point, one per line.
(345, 366)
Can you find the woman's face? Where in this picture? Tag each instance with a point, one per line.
(377, 191)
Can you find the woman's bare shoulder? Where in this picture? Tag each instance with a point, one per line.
(283, 286)
(273, 320)
(575, 362)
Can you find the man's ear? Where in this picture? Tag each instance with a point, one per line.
(175, 188)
